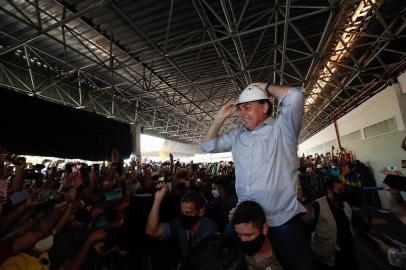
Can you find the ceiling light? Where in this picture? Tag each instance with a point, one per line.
(358, 20)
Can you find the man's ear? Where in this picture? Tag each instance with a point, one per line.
(201, 212)
(265, 228)
(265, 107)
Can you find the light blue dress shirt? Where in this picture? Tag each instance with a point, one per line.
(266, 159)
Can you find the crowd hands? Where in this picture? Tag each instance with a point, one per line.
(316, 169)
(73, 217)
(60, 217)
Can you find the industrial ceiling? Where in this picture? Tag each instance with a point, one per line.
(170, 65)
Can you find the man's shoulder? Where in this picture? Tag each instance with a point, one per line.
(209, 225)
(175, 225)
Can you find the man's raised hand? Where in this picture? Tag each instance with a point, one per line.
(227, 109)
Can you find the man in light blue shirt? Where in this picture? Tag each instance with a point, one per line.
(264, 150)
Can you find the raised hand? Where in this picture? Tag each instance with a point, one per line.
(162, 190)
(227, 110)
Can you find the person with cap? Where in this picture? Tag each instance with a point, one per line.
(264, 151)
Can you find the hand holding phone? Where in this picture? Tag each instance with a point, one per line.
(396, 182)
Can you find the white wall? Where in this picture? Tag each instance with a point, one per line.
(380, 107)
(389, 103)
(376, 152)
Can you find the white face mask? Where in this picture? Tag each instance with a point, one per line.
(215, 193)
(44, 244)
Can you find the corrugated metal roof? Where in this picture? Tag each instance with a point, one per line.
(174, 63)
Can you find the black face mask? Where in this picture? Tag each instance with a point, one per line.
(188, 221)
(253, 246)
(340, 197)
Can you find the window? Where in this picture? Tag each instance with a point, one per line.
(381, 128)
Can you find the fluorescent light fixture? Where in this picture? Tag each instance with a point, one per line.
(356, 23)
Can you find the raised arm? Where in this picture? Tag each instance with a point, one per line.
(39, 231)
(396, 202)
(290, 107)
(225, 111)
(154, 228)
(213, 142)
(76, 262)
(275, 90)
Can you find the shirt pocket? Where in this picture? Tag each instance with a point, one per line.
(266, 148)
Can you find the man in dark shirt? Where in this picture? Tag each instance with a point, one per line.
(189, 228)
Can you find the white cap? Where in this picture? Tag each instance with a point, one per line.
(252, 93)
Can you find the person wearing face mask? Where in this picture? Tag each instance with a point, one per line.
(332, 219)
(252, 231)
(189, 228)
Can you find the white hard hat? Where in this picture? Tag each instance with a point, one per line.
(252, 93)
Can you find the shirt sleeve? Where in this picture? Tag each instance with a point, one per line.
(222, 143)
(290, 112)
(166, 231)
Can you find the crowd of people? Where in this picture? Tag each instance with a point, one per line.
(74, 217)
(268, 209)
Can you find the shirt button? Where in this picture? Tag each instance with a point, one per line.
(248, 173)
(250, 144)
(249, 157)
(248, 187)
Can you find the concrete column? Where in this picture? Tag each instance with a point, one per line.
(136, 140)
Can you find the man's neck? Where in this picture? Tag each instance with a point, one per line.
(265, 251)
(195, 229)
(334, 202)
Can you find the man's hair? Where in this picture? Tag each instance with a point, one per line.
(249, 212)
(263, 101)
(194, 197)
(215, 252)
